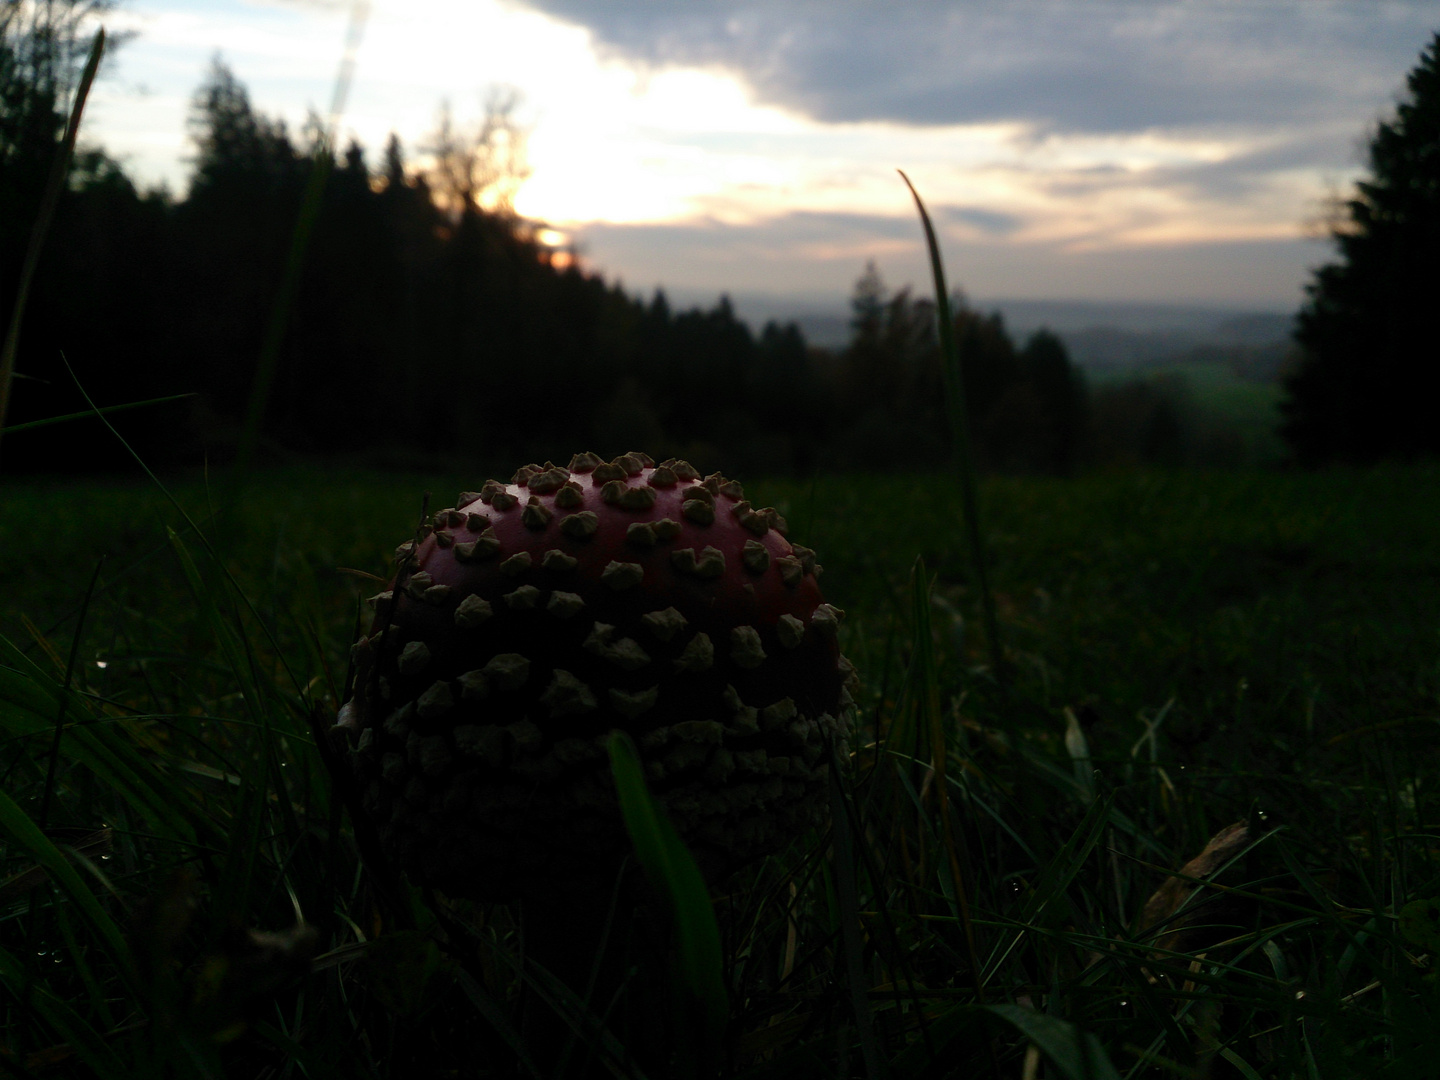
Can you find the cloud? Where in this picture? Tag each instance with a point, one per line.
(1154, 149)
(1098, 66)
(814, 258)
(989, 222)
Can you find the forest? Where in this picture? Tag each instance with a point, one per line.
(429, 323)
(302, 301)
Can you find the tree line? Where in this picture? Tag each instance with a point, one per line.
(430, 325)
(430, 329)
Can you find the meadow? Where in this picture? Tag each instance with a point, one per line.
(1227, 419)
(1180, 652)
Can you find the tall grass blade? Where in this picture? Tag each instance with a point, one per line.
(848, 899)
(1066, 864)
(29, 700)
(496, 1018)
(673, 874)
(1241, 1065)
(231, 644)
(30, 425)
(1077, 1054)
(28, 836)
(1049, 891)
(67, 1026)
(962, 1022)
(54, 764)
(184, 514)
(280, 311)
(48, 201)
(1078, 747)
(606, 1049)
(960, 431)
(925, 688)
(77, 952)
(289, 289)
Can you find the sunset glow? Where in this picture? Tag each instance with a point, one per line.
(621, 140)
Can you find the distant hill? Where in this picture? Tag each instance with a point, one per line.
(1103, 338)
(1220, 367)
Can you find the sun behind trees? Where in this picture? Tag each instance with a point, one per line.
(421, 332)
(431, 327)
(483, 165)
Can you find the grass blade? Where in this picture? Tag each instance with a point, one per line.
(960, 431)
(289, 290)
(29, 700)
(673, 873)
(68, 1026)
(848, 899)
(49, 793)
(495, 1017)
(1056, 877)
(924, 682)
(30, 425)
(27, 835)
(1068, 860)
(1077, 1054)
(963, 1021)
(41, 228)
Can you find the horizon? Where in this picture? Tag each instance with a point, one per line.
(825, 319)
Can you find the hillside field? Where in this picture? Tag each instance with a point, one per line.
(1218, 404)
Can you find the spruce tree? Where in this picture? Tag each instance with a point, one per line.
(1366, 386)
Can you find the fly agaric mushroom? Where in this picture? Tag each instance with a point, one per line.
(533, 618)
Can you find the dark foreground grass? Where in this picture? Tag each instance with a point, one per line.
(182, 896)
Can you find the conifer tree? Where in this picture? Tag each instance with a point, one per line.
(1368, 380)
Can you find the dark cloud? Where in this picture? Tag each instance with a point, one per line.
(1236, 178)
(990, 222)
(1097, 66)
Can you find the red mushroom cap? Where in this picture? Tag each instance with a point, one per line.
(536, 617)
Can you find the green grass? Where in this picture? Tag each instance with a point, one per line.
(1242, 414)
(1187, 650)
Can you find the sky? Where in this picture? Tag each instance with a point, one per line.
(1147, 151)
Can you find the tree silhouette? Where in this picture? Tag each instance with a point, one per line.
(428, 324)
(1058, 391)
(888, 379)
(1366, 385)
(88, 302)
(481, 166)
(42, 51)
(1026, 407)
(239, 152)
